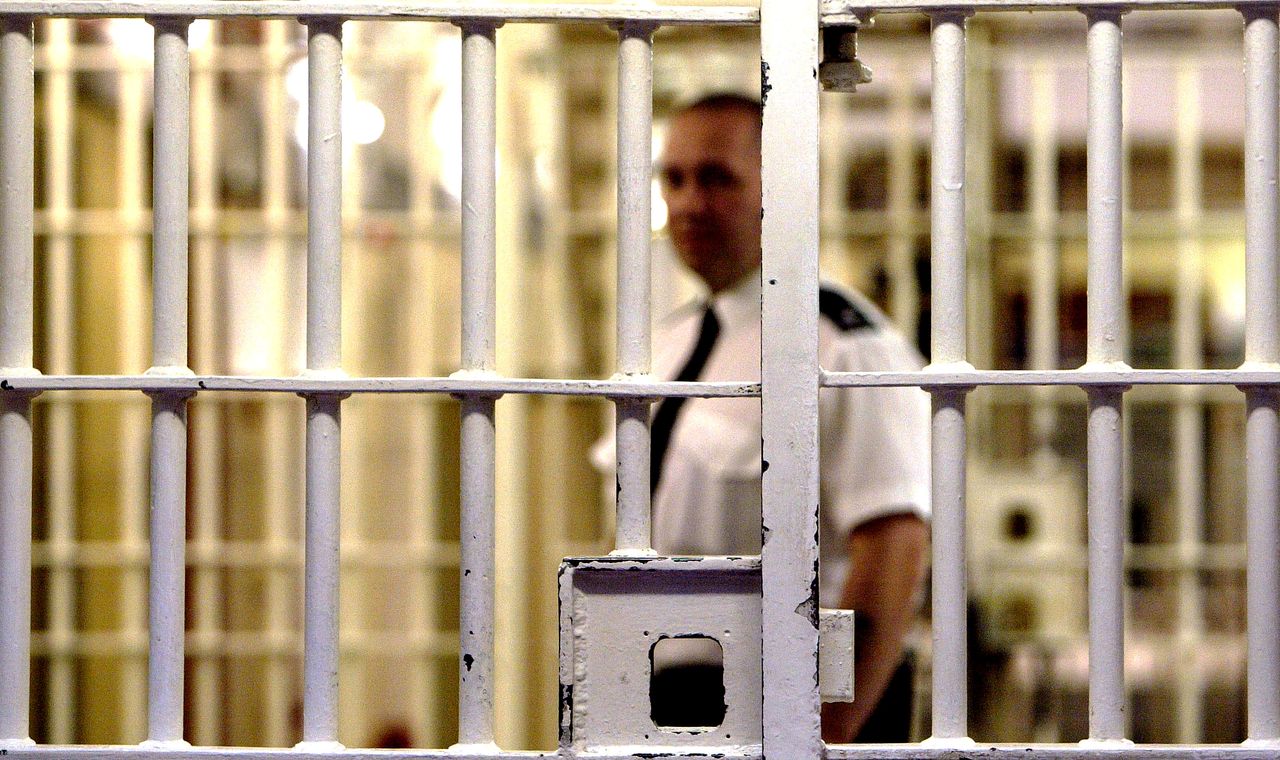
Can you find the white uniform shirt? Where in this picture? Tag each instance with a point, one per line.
(874, 442)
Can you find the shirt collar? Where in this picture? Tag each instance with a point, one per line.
(740, 304)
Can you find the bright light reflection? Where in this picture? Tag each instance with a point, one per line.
(362, 121)
(134, 38)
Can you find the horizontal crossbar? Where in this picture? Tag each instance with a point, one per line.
(621, 388)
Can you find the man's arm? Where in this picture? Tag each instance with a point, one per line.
(886, 564)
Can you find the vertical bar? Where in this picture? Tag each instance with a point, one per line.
(1043, 167)
(1106, 340)
(479, 336)
(324, 357)
(1189, 425)
(17, 198)
(170, 180)
(948, 330)
(1262, 347)
(789, 374)
(169, 346)
(168, 568)
(635, 118)
(60, 493)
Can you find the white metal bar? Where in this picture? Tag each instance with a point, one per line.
(948, 343)
(59, 290)
(832, 11)
(1188, 353)
(1262, 348)
(843, 752)
(789, 373)
(170, 180)
(17, 196)
(495, 13)
(478, 435)
(324, 357)
(635, 117)
(1106, 347)
(1086, 377)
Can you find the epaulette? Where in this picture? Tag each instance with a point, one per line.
(840, 310)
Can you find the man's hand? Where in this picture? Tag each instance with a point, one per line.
(886, 564)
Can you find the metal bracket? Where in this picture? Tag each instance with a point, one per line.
(835, 655)
(840, 70)
(614, 610)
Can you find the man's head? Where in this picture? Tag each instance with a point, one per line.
(710, 175)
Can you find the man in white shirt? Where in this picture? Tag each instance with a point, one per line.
(874, 445)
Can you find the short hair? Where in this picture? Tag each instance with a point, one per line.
(727, 101)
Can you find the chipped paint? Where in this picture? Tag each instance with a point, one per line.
(614, 610)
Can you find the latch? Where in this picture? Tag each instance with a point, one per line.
(840, 70)
(835, 655)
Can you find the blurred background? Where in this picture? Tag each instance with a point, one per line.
(556, 249)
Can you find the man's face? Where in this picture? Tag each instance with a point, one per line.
(710, 174)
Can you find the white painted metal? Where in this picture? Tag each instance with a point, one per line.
(17, 192)
(790, 375)
(1262, 348)
(496, 13)
(635, 117)
(788, 82)
(324, 347)
(613, 613)
(478, 435)
(948, 342)
(835, 655)
(59, 289)
(1106, 348)
(167, 609)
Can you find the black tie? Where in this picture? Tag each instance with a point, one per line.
(665, 419)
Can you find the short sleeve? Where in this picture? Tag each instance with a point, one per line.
(874, 442)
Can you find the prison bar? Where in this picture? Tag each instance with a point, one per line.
(324, 358)
(1106, 347)
(167, 607)
(479, 337)
(17, 294)
(1262, 348)
(789, 373)
(949, 335)
(635, 125)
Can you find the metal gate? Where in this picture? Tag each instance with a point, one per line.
(791, 377)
